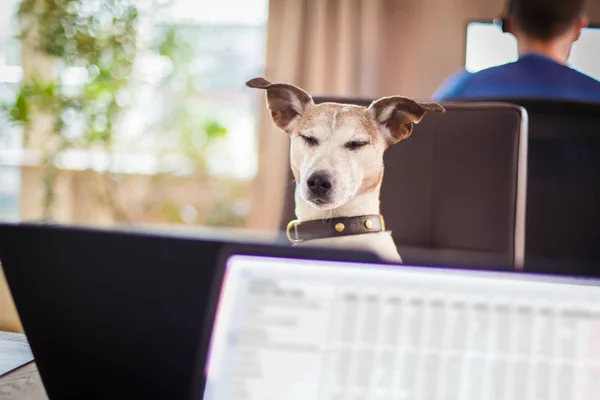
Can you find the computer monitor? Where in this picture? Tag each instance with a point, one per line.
(117, 314)
(487, 46)
(304, 329)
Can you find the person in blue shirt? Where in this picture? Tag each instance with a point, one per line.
(545, 31)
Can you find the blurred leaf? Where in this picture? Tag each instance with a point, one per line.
(26, 6)
(172, 212)
(20, 111)
(99, 136)
(167, 43)
(214, 130)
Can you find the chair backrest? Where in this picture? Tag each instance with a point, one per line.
(563, 186)
(453, 194)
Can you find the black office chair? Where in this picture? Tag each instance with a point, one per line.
(453, 193)
(563, 186)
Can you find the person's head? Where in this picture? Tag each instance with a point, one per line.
(551, 23)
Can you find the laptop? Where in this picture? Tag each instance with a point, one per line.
(286, 329)
(118, 314)
(487, 46)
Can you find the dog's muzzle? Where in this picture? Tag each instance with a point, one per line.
(320, 187)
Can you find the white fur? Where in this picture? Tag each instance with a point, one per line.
(380, 243)
(333, 129)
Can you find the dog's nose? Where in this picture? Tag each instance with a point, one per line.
(319, 183)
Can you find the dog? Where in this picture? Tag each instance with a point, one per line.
(336, 157)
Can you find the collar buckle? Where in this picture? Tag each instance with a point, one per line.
(288, 231)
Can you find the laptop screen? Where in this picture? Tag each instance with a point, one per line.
(293, 329)
(487, 46)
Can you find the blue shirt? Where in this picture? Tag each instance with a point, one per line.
(532, 76)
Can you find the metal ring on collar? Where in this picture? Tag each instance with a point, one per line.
(288, 230)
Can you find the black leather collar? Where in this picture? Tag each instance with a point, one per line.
(297, 231)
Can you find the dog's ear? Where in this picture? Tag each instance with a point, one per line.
(286, 102)
(397, 115)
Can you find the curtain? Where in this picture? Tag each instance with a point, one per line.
(326, 47)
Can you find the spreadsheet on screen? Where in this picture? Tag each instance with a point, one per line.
(292, 329)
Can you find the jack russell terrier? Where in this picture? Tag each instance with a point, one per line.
(336, 157)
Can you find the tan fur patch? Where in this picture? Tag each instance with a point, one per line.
(335, 115)
(296, 172)
(400, 114)
(369, 126)
(370, 184)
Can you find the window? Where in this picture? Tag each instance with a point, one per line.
(168, 103)
(223, 46)
(10, 136)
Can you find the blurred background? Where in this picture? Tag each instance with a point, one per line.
(123, 112)
(135, 113)
(129, 112)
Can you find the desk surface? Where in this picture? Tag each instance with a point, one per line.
(23, 383)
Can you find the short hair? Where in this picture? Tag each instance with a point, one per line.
(546, 19)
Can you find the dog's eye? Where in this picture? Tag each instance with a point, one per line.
(355, 144)
(311, 141)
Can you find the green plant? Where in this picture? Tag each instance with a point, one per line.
(194, 131)
(101, 39)
(98, 37)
